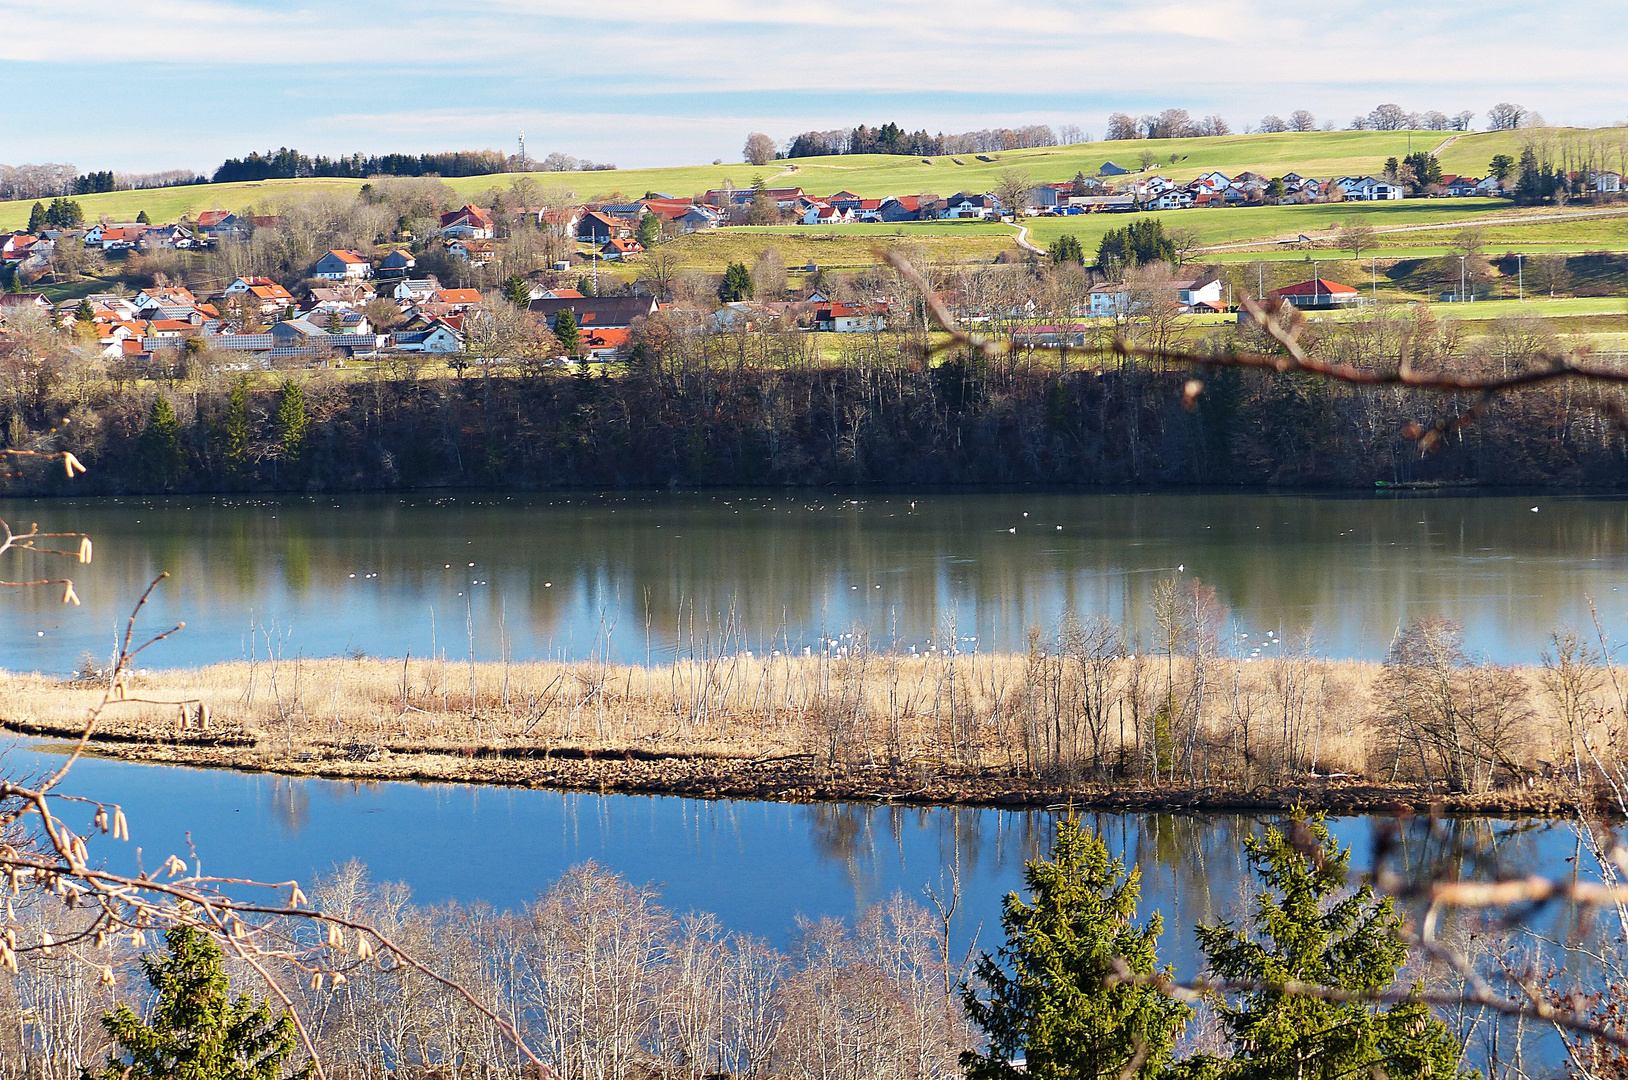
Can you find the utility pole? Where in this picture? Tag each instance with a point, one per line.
(1461, 279)
(1374, 277)
(1520, 277)
(1316, 283)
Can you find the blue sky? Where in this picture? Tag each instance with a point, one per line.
(151, 84)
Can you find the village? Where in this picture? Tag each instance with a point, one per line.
(332, 313)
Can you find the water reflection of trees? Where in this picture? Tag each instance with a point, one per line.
(787, 562)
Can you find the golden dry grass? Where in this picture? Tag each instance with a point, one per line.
(1257, 722)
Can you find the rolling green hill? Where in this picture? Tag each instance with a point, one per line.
(1321, 154)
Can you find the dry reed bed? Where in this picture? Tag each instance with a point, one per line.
(987, 728)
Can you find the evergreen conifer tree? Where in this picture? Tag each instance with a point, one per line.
(649, 233)
(1307, 928)
(737, 283)
(1046, 1001)
(565, 328)
(197, 1031)
(1066, 248)
(160, 457)
(292, 422)
(237, 432)
(36, 218)
(517, 291)
(143, 219)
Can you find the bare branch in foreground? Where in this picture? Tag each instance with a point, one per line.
(1533, 1009)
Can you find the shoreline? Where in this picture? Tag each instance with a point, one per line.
(790, 778)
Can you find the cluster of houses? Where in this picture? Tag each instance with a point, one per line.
(611, 228)
(332, 319)
(329, 323)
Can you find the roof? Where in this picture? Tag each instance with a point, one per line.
(596, 312)
(212, 217)
(473, 213)
(609, 338)
(457, 296)
(1316, 287)
(351, 257)
(849, 311)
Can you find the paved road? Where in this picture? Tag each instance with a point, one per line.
(1023, 240)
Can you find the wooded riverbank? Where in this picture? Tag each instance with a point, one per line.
(880, 420)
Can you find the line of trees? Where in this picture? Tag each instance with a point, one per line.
(602, 981)
(286, 164)
(1179, 124)
(890, 138)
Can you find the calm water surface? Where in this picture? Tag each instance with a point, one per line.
(757, 865)
(640, 576)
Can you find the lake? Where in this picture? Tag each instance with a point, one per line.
(757, 865)
(646, 576)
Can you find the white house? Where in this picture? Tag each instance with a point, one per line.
(1177, 199)
(416, 290)
(1193, 293)
(342, 266)
(1368, 189)
(438, 337)
(851, 319)
(1607, 182)
(964, 205)
(467, 223)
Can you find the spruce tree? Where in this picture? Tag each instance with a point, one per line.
(649, 233)
(517, 291)
(1066, 249)
(1046, 1001)
(1308, 928)
(565, 328)
(160, 457)
(737, 283)
(197, 1031)
(237, 433)
(143, 219)
(36, 218)
(291, 422)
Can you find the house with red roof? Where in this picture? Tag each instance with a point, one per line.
(1318, 294)
(342, 266)
(851, 318)
(596, 227)
(615, 250)
(456, 299)
(467, 223)
(900, 208)
(272, 297)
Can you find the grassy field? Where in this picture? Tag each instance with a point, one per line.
(1321, 154)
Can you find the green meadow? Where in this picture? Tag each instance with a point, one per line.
(1321, 154)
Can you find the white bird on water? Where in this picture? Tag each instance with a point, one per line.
(1182, 569)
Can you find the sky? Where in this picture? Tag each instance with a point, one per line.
(159, 84)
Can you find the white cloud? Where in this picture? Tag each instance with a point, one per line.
(673, 78)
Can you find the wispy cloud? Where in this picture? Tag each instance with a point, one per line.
(642, 83)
